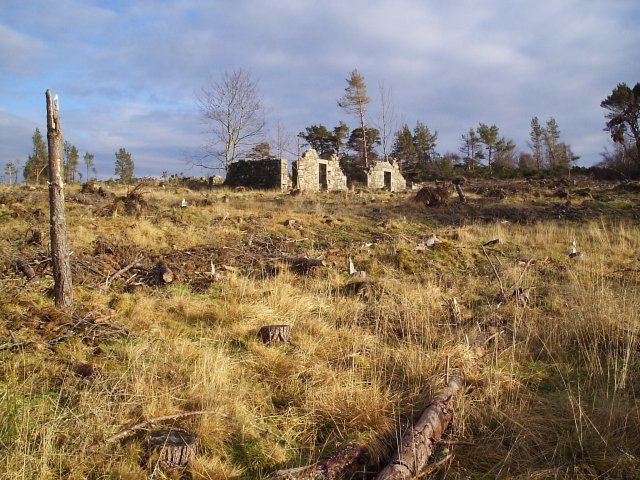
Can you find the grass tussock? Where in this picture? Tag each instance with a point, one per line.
(555, 396)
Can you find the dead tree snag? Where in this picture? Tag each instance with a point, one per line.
(63, 288)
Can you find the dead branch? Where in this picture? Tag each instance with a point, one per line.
(127, 432)
(502, 291)
(121, 271)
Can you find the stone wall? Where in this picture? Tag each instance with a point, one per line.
(376, 177)
(268, 173)
(307, 173)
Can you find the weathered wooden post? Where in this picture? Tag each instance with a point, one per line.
(59, 254)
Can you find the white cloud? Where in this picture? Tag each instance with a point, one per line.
(133, 68)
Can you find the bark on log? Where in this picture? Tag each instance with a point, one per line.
(175, 448)
(342, 464)
(26, 269)
(164, 273)
(63, 289)
(418, 442)
(460, 193)
(270, 334)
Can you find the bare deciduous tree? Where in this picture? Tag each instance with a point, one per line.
(233, 111)
(387, 118)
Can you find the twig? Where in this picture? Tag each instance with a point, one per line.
(504, 295)
(121, 271)
(434, 466)
(517, 282)
(142, 425)
(451, 443)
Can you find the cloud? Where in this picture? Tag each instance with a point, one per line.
(20, 54)
(128, 71)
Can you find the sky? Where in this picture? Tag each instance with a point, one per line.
(128, 72)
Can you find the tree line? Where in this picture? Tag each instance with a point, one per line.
(232, 108)
(36, 168)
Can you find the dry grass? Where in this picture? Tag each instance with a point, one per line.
(555, 397)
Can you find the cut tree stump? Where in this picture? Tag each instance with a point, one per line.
(26, 269)
(418, 443)
(271, 334)
(342, 464)
(164, 273)
(170, 448)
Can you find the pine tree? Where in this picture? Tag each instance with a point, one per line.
(124, 166)
(536, 142)
(38, 162)
(551, 140)
(489, 138)
(404, 150)
(89, 162)
(623, 106)
(354, 101)
(471, 149)
(71, 157)
(424, 142)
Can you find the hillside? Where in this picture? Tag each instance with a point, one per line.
(547, 343)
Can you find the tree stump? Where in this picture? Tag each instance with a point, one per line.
(171, 448)
(26, 269)
(460, 192)
(271, 334)
(164, 273)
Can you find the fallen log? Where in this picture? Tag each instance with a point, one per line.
(26, 269)
(342, 464)
(419, 442)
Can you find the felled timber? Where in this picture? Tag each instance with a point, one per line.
(342, 464)
(163, 273)
(418, 443)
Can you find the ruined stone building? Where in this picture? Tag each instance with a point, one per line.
(313, 174)
(386, 175)
(310, 173)
(267, 173)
